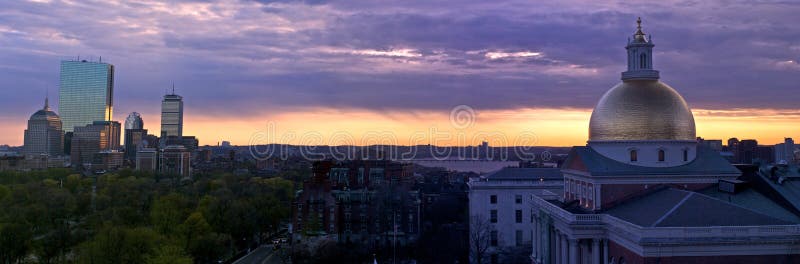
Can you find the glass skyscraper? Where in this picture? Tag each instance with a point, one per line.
(86, 93)
(172, 116)
(134, 134)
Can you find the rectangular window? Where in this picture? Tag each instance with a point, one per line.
(519, 237)
(518, 216)
(493, 216)
(493, 238)
(376, 176)
(518, 199)
(493, 199)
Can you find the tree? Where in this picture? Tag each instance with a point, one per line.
(168, 212)
(480, 238)
(120, 245)
(170, 254)
(14, 242)
(200, 242)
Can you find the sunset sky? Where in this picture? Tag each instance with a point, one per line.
(348, 72)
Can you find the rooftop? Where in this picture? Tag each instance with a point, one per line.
(707, 162)
(527, 174)
(671, 207)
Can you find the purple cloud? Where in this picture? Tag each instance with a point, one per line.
(229, 57)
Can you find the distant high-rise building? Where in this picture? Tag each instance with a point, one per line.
(190, 143)
(715, 144)
(147, 159)
(134, 121)
(176, 160)
(765, 154)
(44, 134)
(68, 142)
(107, 160)
(150, 141)
(785, 151)
(91, 139)
(86, 93)
(134, 134)
(733, 145)
(747, 151)
(172, 116)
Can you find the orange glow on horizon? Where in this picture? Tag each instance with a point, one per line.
(528, 126)
(539, 126)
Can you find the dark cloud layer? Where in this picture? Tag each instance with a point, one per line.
(234, 57)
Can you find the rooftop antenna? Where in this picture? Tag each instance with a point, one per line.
(101, 59)
(47, 99)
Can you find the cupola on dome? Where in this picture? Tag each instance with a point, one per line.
(641, 107)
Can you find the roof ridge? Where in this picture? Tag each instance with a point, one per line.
(679, 204)
(740, 207)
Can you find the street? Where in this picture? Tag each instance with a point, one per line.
(265, 255)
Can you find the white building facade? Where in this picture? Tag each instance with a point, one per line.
(504, 200)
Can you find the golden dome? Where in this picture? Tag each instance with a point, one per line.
(641, 110)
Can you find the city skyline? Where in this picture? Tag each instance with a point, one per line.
(543, 64)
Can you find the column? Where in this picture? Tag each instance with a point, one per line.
(539, 238)
(534, 243)
(605, 251)
(582, 244)
(564, 250)
(557, 247)
(595, 251)
(573, 251)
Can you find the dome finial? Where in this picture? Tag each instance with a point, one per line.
(47, 103)
(639, 23)
(639, 35)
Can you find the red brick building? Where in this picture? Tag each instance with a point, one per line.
(372, 202)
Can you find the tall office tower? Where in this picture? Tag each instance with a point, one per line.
(171, 116)
(134, 134)
(86, 93)
(44, 134)
(100, 136)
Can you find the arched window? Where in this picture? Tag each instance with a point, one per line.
(643, 61)
(685, 155)
(660, 155)
(634, 156)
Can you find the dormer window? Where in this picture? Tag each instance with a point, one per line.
(661, 155)
(634, 156)
(685, 155)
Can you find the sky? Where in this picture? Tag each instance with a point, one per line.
(404, 72)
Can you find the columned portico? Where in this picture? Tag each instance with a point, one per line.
(573, 251)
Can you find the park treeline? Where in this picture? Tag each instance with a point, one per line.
(57, 216)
